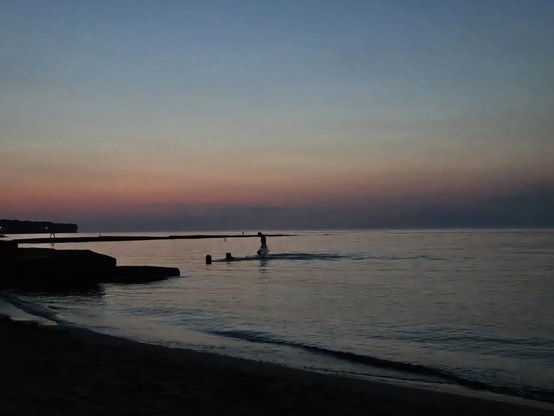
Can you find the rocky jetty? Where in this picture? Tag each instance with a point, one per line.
(44, 268)
(141, 274)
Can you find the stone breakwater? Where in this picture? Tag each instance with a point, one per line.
(115, 238)
(43, 268)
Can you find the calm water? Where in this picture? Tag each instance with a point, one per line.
(472, 308)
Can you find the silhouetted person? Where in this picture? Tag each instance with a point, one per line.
(208, 259)
(263, 246)
(229, 257)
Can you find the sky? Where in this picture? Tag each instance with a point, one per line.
(253, 114)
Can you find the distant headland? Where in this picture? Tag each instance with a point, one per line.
(35, 227)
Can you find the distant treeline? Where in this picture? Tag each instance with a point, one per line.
(35, 227)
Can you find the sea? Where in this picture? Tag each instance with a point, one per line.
(442, 309)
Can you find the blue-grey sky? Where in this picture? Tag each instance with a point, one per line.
(114, 114)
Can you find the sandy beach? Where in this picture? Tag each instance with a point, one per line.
(54, 370)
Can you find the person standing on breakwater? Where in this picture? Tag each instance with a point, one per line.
(263, 248)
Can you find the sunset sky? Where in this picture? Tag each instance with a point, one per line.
(177, 115)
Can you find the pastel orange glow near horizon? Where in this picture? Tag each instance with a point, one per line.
(168, 110)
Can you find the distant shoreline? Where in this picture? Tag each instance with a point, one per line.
(100, 238)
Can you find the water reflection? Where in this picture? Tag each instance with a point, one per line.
(93, 290)
(263, 265)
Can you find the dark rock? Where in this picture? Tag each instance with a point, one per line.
(8, 248)
(140, 274)
(49, 268)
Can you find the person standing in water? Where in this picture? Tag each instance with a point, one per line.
(263, 247)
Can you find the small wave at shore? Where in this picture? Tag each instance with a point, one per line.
(287, 256)
(325, 257)
(31, 309)
(393, 258)
(435, 374)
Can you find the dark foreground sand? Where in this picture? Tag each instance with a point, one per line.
(60, 371)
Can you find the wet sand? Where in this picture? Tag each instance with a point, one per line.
(54, 370)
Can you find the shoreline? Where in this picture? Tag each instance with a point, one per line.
(57, 369)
